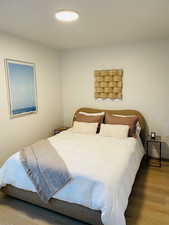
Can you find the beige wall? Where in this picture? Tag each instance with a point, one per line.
(146, 80)
(21, 131)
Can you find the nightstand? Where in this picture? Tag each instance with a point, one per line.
(59, 130)
(156, 162)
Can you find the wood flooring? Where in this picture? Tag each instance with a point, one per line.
(148, 204)
(149, 201)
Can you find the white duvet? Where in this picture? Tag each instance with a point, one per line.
(103, 171)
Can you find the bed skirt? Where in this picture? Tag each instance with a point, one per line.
(72, 210)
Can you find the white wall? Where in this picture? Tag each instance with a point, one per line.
(146, 80)
(146, 86)
(21, 131)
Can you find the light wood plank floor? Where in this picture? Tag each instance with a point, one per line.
(148, 204)
(149, 201)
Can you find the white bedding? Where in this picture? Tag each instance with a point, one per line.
(103, 171)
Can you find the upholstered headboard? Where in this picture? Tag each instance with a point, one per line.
(120, 112)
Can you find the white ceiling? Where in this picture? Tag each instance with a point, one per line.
(102, 22)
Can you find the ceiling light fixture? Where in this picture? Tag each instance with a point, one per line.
(66, 15)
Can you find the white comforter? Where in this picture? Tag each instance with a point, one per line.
(103, 170)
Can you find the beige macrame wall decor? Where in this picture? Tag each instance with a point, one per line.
(108, 84)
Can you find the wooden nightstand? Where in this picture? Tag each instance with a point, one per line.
(156, 162)
(59, 130)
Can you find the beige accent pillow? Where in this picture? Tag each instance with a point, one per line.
(116, 131)
(84, 128)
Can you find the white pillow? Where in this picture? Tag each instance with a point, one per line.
(84, 128)
(113, 130)
(92, 114)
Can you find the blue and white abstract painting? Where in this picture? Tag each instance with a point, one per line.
(22, 87)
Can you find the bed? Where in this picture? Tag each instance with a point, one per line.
(93, 199)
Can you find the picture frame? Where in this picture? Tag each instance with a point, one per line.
(22, 87)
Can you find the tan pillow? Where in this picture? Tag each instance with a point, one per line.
(116, 131)
(89, 119)
(138, 126)
(130, 121)
(93, 118)
(92, 114)
(84, 128)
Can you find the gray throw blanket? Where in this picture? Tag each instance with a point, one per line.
(45, 167)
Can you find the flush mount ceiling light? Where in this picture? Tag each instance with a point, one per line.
(66, 15)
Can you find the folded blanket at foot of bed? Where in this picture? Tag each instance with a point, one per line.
(45, 167)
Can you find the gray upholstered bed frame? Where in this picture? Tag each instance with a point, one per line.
(75, 211)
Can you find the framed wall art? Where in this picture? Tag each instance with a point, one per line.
(21, 80)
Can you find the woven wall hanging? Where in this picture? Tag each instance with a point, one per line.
(108, 84)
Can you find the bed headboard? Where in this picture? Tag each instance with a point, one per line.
(120, 112)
